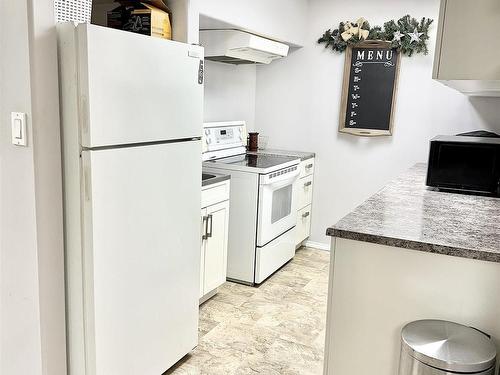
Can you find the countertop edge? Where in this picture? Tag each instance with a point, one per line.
(415, 245)
(307, 157)
(215, 180)
(302, 155)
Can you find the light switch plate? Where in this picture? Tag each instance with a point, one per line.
(18, 123)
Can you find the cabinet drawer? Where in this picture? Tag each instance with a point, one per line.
(303, 228)
(213, 194)
(305, 190)
(306, 167)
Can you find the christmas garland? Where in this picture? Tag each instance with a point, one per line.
(406, 35)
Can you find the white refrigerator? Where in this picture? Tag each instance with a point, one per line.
(131, 109)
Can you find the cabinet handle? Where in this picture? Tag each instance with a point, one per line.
(305, 214)
(308, 183)
(205, 228)
(309, 166)
(210, 218)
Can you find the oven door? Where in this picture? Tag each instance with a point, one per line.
(277, 204)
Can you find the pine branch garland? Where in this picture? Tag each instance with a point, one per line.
(403, 27)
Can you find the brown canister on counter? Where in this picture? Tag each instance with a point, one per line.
(253, 141)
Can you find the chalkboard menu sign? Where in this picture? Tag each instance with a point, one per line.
(368, 95)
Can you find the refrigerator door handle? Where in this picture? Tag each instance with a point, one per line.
(86, 183)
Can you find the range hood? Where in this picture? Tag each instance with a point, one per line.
(240, 47)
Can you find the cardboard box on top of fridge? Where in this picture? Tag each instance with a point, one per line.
(100, 9)
(152, 17)
(148, 17)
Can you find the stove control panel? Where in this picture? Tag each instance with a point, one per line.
(224, 135)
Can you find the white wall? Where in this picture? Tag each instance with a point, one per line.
(229, 92)
(32, 331)
(48, 185)
(282, 20)
(20, 349)
(297, 106)
(185, 19)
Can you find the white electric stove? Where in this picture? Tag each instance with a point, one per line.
(263, 202)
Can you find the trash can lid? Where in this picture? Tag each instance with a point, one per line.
(448, 346)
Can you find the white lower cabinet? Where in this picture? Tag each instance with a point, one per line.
(202, 253)
(216, 246)
(303, 228)
(304, 199)
(305, 191)
(215, 223)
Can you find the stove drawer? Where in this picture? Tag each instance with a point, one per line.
(303, 228)
(305, 190)
(272, 256)
(306, 167)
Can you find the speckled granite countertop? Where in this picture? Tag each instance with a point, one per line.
(303, 155)
(407, 214)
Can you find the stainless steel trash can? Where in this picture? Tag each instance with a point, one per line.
(438, 347)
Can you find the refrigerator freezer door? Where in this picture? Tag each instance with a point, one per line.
(134, 88)
(142, 256)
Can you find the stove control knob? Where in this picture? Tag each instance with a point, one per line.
(207, 131)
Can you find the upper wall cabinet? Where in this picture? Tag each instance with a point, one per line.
(467, 48)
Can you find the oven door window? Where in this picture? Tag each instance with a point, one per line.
(282, 203)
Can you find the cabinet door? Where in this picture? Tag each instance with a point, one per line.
(202, 252)
(216, 246)
(305, 188)
(303, 228)
(459, 54)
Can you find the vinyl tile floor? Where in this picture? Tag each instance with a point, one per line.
(276, 328)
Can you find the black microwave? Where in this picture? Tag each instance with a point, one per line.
(467, 164)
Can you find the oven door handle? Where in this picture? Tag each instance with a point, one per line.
(280, 181)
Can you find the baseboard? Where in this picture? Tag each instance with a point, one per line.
(317, 245)
(207, 296)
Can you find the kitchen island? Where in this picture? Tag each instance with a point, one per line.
(409, 253)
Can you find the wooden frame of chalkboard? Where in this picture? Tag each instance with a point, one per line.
(381, 64)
